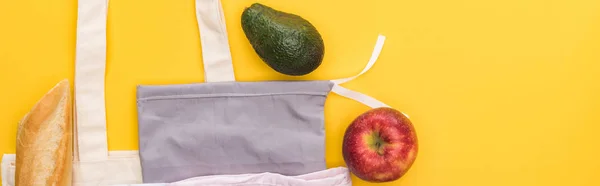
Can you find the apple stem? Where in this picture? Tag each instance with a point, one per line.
(377, 143)
(379, 150)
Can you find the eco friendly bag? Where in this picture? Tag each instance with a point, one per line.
(95, 165)
(223, 127)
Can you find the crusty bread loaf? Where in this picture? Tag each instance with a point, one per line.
(44, 140)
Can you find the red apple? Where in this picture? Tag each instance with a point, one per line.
(380, 145)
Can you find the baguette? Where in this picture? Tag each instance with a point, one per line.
(44, 151)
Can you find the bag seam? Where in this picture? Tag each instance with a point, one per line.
(158, 167)
(196, 96)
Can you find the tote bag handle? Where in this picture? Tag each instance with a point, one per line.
(90, 68)
(215, 44)
(93, 163)
(90, 143)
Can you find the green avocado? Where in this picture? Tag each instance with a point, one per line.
(287, 43)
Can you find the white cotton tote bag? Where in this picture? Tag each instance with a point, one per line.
(94, 164)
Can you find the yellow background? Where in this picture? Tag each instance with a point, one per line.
(500, 92)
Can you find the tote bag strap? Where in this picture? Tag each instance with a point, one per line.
(90, 142)
(216, 54)
(90, 67)
(357, 96)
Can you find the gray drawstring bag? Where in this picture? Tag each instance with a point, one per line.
(231, 128)
(228, 127)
